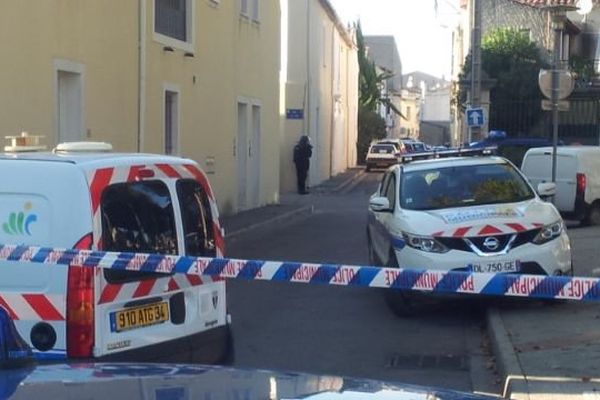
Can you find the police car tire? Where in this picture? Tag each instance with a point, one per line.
(398, 300)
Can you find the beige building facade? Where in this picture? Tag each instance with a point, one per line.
(196, 78)
(321, 91)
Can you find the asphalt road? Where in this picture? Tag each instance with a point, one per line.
(347, 331)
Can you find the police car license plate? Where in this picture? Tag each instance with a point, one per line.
(139, 317)
(497, 266)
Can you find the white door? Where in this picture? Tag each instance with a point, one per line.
(254, 159)
(241, 153)
(538, 169)
(70, 106)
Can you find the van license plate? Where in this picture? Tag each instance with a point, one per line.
(496, 266)
(139, 317)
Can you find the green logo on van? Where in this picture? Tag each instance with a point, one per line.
(18, 223)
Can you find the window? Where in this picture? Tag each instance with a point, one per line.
(137, 217)
(244, 7)
(171, 122)
(171, 18)
(197, 219)
(256, 10)
(390, 191)
(407, 112)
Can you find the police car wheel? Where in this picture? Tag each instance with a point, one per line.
(398, 300)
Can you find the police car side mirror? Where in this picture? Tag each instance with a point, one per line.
(546, 189)
(380, 204)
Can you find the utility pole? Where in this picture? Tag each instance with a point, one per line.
(475, 94)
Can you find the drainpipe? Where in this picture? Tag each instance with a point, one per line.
(141, 74)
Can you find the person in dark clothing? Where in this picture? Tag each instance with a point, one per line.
(302, 154)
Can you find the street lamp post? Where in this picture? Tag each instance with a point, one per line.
(558, 19)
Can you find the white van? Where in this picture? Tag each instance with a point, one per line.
(79, 197)
(577, 179)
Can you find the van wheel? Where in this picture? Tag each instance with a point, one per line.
(593, 217)
(398, 300)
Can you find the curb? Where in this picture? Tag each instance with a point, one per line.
(349, 181)
(309, 209)
(515, 381)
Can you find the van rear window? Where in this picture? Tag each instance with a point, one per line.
(197, 219)
(137, 217)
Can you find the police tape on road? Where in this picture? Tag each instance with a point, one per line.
(433, 281)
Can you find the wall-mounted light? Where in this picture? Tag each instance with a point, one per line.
(168, 48)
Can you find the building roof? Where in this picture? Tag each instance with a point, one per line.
(384, 52)
(418, 77)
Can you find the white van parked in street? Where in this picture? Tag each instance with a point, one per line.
(83, 196)
(577, 179)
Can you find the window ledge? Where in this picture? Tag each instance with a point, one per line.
(175, 43)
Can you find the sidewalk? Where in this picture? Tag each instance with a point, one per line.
(552, 351)
(291, 205)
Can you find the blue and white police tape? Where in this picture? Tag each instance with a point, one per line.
(434, 281)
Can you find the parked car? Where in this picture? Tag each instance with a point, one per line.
(475, 214)
(83, 196)
(381, 156)
(577, 179)
(397, 143)
(414, 146)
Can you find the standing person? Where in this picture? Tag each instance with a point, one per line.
(302, 154)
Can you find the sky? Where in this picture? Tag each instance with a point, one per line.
(424, 40)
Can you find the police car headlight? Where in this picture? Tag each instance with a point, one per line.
(424, 243)
(549, 232)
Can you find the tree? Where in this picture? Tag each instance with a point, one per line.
(514, 61)
(371, 125)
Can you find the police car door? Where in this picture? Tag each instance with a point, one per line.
(141, 213)
(380, 228)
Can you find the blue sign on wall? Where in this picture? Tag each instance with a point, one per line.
(294, 113)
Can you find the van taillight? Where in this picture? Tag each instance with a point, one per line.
(80, 307)
(581, 184)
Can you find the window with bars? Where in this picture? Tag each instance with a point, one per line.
(171, 17)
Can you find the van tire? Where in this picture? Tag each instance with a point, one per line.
(593, 215)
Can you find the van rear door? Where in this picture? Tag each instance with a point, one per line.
(537, 167)
(139, 210)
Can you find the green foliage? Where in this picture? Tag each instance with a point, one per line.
(370, 124)
(369, 80)
(514, 61)
(370, 127)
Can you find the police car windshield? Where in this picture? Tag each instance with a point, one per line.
(462, 186)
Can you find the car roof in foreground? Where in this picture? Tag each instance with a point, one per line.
(106, 380)
(437, 163)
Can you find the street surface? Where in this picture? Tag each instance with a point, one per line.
(348, 331)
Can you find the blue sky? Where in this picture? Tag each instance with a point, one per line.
(424, 39)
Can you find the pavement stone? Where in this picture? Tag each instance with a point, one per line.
(551, 350)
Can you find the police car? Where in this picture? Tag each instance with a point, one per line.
(475, 214)
(83, 196)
